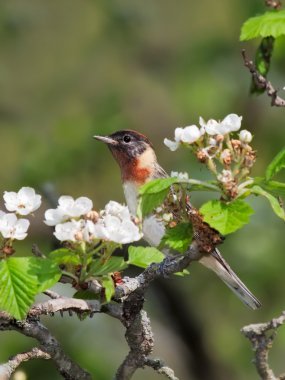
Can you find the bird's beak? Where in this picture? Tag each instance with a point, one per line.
(106, 140)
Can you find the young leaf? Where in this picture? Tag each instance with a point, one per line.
(46, 271)
(179, 237)
(149, 202)
(185, 272)
(113, 264)
(266, 25)
(109, 287)
(144, 256)
(276, 207)
(64, 256)
(21, 279)
(157, 185)
(226, 217)
(273, 187)
(153, 194)
(275, 165)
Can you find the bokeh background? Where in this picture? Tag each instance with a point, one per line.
(70, 69)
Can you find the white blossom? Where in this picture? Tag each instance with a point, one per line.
(180, 175)
(187, 135)
(23, 202)
(68, 208)
(191, 134)
(230, 123)
(68, 231)
(245, 136)
(115, 224)
(13, 228)
(172, 145)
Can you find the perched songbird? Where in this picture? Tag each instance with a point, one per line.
(138, 163)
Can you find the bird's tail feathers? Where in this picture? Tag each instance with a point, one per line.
(216, 263)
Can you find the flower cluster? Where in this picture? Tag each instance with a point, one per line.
(22, 203)
(229, 159)
(75, 221)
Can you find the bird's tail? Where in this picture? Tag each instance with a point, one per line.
(216, 263)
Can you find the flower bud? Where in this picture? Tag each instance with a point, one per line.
(245, 136)
(167, 217)
(92, 215)
(202, 155)
(226, 156)
(219, 138)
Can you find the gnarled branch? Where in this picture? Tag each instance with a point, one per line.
(261, 336)
(262, 83)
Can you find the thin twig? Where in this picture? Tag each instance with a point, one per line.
(262, 83)
(261, 336)
(7, 369)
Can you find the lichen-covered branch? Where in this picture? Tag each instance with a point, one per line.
(128, 308)
(261, 336)
(7, 369)
(262, 83)
(138, 330)
(48, 344)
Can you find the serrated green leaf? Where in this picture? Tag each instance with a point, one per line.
(64, 256)
(109, 287)
(178, 237)
(153, 194)
(149, 202)
(144, 256)
(46, 271)
(276, 207)
(157, 185)
(273, 187)
(268, 24)
(226, 217)
(275, 165)
(113, 264)
(21, 279)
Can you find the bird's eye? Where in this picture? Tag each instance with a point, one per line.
(127, 138)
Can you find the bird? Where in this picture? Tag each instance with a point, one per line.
(138, 164)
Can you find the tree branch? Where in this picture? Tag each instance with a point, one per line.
(128, 309)
(7, 369)
(261, 336)
(48, 345)
(262, 83)
(138, 330)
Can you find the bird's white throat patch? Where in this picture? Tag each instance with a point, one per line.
(131, 196)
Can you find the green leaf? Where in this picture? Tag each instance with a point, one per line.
(46, 271)
(185, 272)
(178, 237)
(274, 187)
(226, 217)
(276, 207)
(21, 279)
(153, 194)
(113, 264)
(64, 256)
(157, 185)
(275, 165)
(266, 25)
(144, 256)
(109, 287)
(86, 295)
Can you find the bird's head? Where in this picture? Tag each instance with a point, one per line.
(133, 152)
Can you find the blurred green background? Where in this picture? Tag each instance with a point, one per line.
(70, 69)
